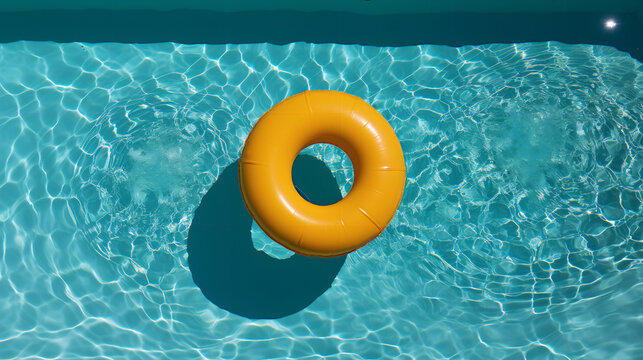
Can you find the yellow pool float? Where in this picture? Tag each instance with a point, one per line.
(312, 117)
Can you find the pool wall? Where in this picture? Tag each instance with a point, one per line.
(210, 27)
(352, 6)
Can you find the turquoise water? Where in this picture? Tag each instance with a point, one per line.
(520, 233)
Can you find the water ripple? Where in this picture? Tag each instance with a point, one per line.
(519, 234)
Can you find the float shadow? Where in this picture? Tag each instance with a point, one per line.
(234, 275)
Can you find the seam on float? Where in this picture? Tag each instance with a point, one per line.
(370, 219)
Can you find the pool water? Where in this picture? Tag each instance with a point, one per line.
(520, 233)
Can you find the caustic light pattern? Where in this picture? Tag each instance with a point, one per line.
(519, 235)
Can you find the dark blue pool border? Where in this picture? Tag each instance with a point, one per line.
(196, 27)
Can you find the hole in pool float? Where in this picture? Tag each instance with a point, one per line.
(339, 164)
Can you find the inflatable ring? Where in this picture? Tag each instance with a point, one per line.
(312, 117)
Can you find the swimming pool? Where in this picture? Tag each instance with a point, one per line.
(519, 235)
